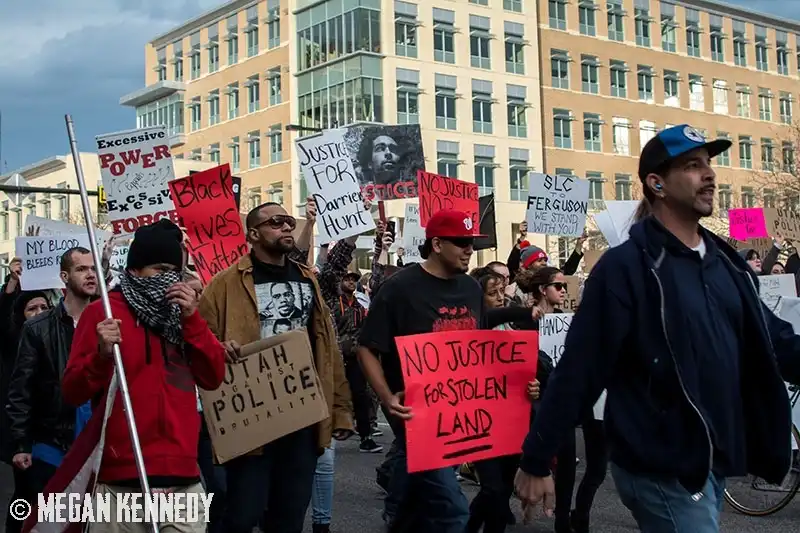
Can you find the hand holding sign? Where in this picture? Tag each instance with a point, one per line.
(311, 209)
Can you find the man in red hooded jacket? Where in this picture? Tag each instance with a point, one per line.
(167, 349)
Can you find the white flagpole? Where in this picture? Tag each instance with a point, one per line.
(101, 281)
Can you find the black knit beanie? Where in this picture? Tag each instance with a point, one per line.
(156, 244)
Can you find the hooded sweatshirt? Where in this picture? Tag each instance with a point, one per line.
(161, 381)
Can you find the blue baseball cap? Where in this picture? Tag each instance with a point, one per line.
(672, 143)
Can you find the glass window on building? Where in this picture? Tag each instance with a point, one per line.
(161, 65)
(163, 112)
(177, 60)
(592, 132)
(513, 5)
(213, 48)
(274, 81)
(275, 135)
(590, 74)
(251, 31)
(596, 181)
(232, 39)
(236, 154)
(194, 56)
(745, 151)
(321, 40)
(557, 11)
(762, 48)
(562, 128)
(725, 196)
(484, 169)
(253, 94)
(743, 100)
(668, 27)
(514, 47)
(482, 106)
(232, 93)
(642, 22)
(479, 39)
(748, 197)
(786, 107)
(407, 96)
(720, 93)
(447, 162)
(445, 102)
(559, 68)
(621, 134)
(213, 107)
(740, 43)
(616, 20)
(767, 154)
(692, 32)
(586, 17)
(644, 78)
(769, 197)
(672, 94)
(764, 104)
(197, 113)
(716, 38)
(696, 93)
(444, 36)
(517, 110)
(619, 78)
(518, 171)
(273, 24)
(787, 157)
(213, 153)
(782, 52)
(723, 159)
(647, 130)
(622, 187)
(405, 29)
(254, 148)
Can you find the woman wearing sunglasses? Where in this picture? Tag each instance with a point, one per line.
(547, 288)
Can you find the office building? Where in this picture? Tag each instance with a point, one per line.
(615, 72)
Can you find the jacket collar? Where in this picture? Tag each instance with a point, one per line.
(653, 238)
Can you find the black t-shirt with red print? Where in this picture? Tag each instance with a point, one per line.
(412, 302)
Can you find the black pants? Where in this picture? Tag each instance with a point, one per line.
(362, 403)
(490, 507)
(214, 479)
(21, 490)
(596, 465)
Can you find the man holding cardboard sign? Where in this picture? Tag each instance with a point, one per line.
(267, 298)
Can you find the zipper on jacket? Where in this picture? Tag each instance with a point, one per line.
(680, 380)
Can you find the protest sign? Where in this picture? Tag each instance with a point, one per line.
(386, 159)
(205, 203)
(553, 329)
(572, 298)
(557, 205)
(332, 182)
(590, 259)
(747, 223)
(606, 226)
(44, 227)
(440, 192)
(762, 246)
(413, 234)
(135, 166)
(467, 390)
(774, 288)
(273, 390)
(622, 213)
(119, 257)
(783, 222)
(41, 259)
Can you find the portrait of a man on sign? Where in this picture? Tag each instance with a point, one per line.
(386, 159)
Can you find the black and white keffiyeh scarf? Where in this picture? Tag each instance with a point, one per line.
(147, 298)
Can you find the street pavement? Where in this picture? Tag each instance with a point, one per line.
(358, 501)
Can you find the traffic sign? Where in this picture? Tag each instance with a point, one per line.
(16, 180)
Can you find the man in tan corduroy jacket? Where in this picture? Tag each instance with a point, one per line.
(245, 303)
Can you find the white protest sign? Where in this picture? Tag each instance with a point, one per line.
(557, 205)
(41, 259)
(622, 213)
(773, 289)
(606, 226)
(790, 312)
(135, 166)
(331, 179)
(553, 330)
(119, 257)
(413, 234)
(553, 333)
(44, 227)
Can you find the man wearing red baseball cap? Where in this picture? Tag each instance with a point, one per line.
(435, 295)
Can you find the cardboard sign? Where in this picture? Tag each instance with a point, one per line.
(205, 203)
(572, 298)
(590, 259)
(135, 167)
(747, 223)
(553, 329)
(41, 259)
(440, 192)
(783, 222)
(413, 234)
(557, 205)
(762, 246)
(774, 288)
(332, 182)
(467, 390)
(274, 390)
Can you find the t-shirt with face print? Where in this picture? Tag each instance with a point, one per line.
(412, 302)
(285, 298)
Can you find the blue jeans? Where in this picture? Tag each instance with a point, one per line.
(665, 506)
(322, 491)
(280, 480)
(432, 501)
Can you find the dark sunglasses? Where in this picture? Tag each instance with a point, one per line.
(278, 221)
(559, 286)
(461, 242)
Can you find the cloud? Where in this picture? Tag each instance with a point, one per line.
(82, 57)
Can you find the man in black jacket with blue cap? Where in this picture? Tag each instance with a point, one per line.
(672, 325)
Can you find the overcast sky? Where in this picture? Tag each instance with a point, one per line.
(87, 54)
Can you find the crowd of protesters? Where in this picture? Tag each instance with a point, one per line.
(669, 325)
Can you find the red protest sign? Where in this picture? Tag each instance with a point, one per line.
(440, 192)
(467, 392)
(205, 202)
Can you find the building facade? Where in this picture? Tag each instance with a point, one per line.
(615, 72)
(57, 173)
(500, 88)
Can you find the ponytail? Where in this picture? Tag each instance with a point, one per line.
(644, 209)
